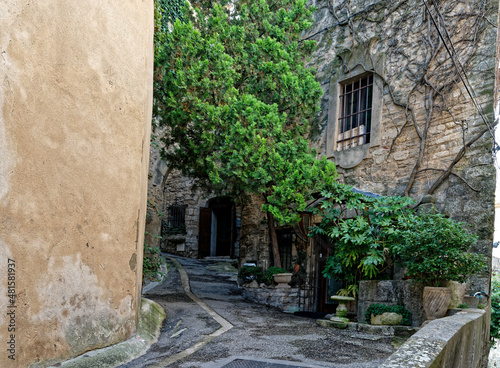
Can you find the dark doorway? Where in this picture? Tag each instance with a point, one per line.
(327, 287)
(217, 228)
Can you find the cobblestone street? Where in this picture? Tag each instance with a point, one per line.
(260, 337)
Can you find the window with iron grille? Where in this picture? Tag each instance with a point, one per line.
(176, 220)
(177, 215)
(355, 113)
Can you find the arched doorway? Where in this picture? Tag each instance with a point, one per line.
(217, 231)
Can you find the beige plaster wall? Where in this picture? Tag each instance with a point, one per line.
(75, 106)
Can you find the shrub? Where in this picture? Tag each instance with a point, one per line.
(250, 273)
(495, 309)
(271, 271)
(434, 250)
(377, 309)
(363, 242)
(151, 263)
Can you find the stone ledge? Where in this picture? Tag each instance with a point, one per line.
(458, 340)
(397, 331)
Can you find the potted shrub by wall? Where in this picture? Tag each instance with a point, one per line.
(381, 314)
(434, 250)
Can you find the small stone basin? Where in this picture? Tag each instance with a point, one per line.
(283, 279)
(341, 312)
(342, 299)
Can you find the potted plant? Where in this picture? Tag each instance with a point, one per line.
(381, 314)
(434, 250)
(272, 271)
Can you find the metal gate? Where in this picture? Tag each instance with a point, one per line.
(308, 295)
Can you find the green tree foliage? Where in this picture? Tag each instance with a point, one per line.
(237, 99)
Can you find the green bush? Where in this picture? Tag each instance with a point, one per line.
(271, 271)
(250, 273)
(495, 309)
(151, 263)
(362, 243)
(435, 249)
(378, 309)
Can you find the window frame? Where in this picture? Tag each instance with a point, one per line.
(355, 99)
(351, 157)
(176, 213)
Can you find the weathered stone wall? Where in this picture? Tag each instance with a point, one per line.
(75, 114)
(158, 174)
(455, 341)
(398, 42)
(178, 189)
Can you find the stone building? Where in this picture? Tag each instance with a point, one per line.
(75, 115)
(408, 109)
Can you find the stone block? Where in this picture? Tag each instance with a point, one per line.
(411, 298)
(376, 330)
(378, 291)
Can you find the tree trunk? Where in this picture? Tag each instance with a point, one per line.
(274, 240)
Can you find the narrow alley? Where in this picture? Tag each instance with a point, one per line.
(220, 329)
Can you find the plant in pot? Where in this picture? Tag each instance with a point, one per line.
(381, 314)
(361, 229)
(251, 273)
(434, 250)
(278, 274)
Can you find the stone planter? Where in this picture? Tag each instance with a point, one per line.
(283, 279)
(436, 301)
(387, 318)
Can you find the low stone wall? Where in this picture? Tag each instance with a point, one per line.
(461, 340)
(283, 299)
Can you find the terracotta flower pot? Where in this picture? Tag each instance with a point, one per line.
(436, 301)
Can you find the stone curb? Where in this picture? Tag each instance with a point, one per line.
(225, 325)
(148, 330)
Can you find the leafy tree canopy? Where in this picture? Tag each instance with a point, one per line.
(237, 99)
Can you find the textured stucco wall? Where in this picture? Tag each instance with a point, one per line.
(75, 103)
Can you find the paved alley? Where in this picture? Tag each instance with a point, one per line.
(247, 335)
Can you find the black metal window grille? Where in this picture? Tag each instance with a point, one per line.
(355, 113)
(177, 215)
(285, 248)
